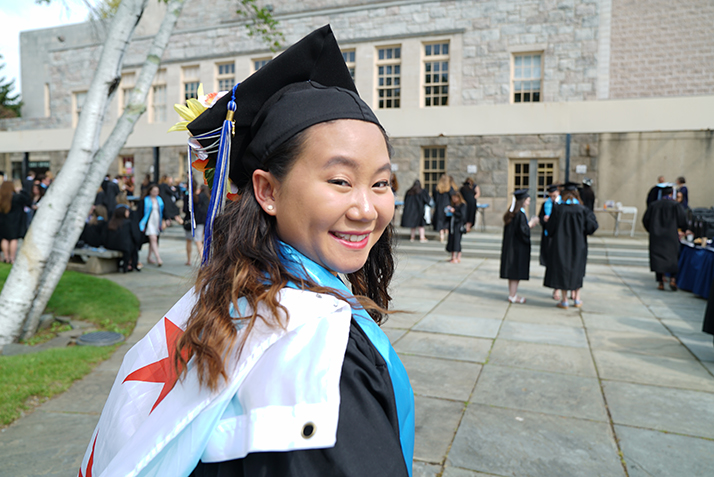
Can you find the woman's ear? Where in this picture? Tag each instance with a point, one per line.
(265, 187)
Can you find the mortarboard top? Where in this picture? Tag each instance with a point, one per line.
(521, 194)
(307, 84)
(571, 186)
(553, 188)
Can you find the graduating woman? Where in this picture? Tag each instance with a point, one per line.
(458, 214)
(568, 227)
(543, 215)
(283, 368)
(151, 223)
(516, 245)
(12, 209)
(119, 237)
(663, 220)
(415, 200)
(442, 200)
(468, 192)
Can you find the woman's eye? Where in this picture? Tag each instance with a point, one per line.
(382, 184)
(339, 182)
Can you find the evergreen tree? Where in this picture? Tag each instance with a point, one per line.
(9, 104)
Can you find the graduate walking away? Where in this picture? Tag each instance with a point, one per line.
(272, 365)
(543, 215)
(663, 220)
(516, 245)
(442, 200)
(568, 227)
(458, 214)
(415, 200)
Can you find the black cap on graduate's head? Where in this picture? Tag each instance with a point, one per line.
(570, 186)
(307, 84)
(552, 188)
(665, 188)
(521, 194)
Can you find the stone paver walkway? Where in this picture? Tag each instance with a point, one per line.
(623, 386)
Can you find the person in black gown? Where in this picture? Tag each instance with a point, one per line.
(442, 199)
(516, 245)
(468, 192)
(280, 366)
(655, 192)
(12, 210)
(587, 194)
(568, 227)
(415, 200)
(119, 238)
(666, 222)
(457, 222)
(543, 215)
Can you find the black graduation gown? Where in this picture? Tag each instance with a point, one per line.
(413, 215)
(457, 220)
(120, 239)
(662, 219)
(109, 198)
(171, 210)
(544, 241)
(367, 433)
(441, 201)
(94, 235)
(568, 228)
(468, 194)
(588, 197)
(653, 195)
(516, 249)
(201, 202)
(708, 325)
(12, 223)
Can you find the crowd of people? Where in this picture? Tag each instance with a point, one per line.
(115, 224)
(449, 209)
(566, 221)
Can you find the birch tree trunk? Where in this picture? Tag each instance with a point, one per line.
(73, 222)
(23, 282)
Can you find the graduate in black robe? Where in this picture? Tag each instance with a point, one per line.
(568, 228)
(543, 215)
(587, 194)
(119, 238)
(662, 220)
(655, 193)
(413, 216)
(457, 223)
(516, 246)
(442, 200)
(468, 192)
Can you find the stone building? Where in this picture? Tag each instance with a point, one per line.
(484, 88)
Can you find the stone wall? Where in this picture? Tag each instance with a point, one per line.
(661, 48)
(491, 155)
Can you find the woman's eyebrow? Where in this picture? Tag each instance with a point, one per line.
(352, 164)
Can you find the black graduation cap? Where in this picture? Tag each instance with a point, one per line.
(665, 188)
(521, 194)
(571, 186)
(307, 84)
(552, 188)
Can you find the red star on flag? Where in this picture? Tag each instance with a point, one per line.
(90, 462)
(162, 371)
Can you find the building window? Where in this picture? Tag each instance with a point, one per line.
(190, 82)
(226, 76)
(535, 174)
(127, 85)
(259, 63)
(527, 78)
(158, 98)
(77, 103)
(436, 74)
(389, 61)
(434, 166)
(349, 56)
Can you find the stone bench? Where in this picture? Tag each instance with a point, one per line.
(95, 261)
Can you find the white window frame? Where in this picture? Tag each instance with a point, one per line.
(427, 61)
(392, 81)
(515, 82)
(224, 77)
(350, 57)
(159, 82)
(190, 74)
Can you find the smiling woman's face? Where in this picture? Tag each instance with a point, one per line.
(336, 201)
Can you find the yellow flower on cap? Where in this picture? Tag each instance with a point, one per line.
(194, 108)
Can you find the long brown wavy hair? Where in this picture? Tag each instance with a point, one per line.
(6, 192)
(246, 263)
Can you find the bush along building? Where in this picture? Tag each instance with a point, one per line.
(493, 90)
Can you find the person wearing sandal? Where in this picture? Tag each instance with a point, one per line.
(516, 246)
(568, 227)
(663, 220)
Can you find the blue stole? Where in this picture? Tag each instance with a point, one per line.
(301, 266)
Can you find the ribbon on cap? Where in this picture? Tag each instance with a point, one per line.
(513, 204)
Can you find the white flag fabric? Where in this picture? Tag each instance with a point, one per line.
(154, 425)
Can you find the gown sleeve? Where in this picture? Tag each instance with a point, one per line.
(591, 224)
(524, 230)
(367, 433)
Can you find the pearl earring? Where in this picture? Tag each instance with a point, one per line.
(270, 207)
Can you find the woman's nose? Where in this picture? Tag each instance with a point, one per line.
(363, 208)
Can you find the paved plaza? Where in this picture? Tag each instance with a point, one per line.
(622, 386)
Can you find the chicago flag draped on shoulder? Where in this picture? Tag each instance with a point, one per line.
(155, 425)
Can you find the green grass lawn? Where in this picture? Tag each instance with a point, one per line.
(43, 374)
